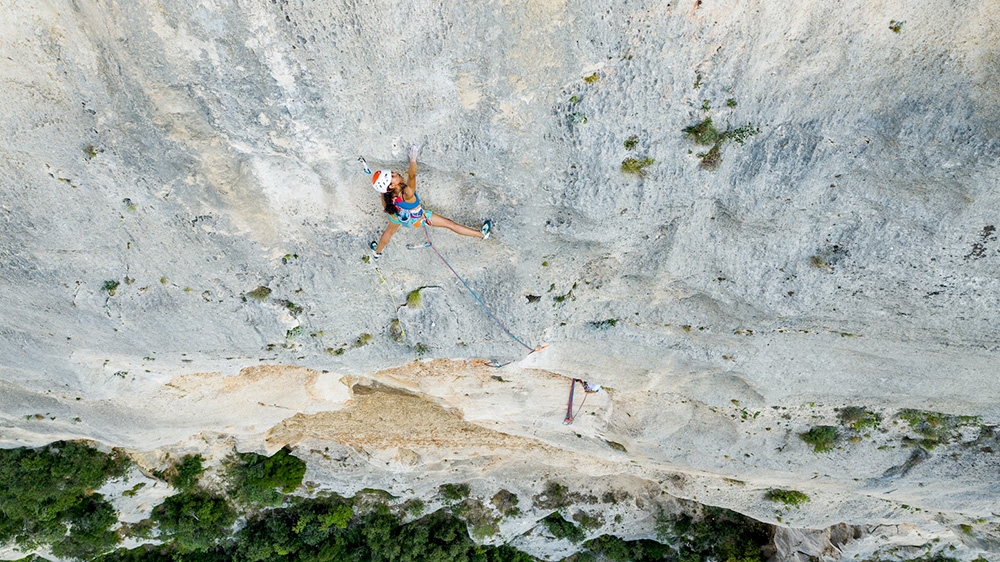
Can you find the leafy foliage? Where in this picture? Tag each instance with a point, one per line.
(53, 504)
(454, 492)
(821, 437)
(194, 520)
(90, 529)
(413, 298)
(506, 503)
(554, 496)
(48, 491)
(718, 534)
(185, 475)
(710, 160)
(858, 419)
(110, 286)
(259, 294)
(637, 166)
(704, 133)
(258, 480)
(561, 528)
(740, 135)
(324, 529)
(787, 497)
(614, 549)
(480, 519)
(935, 428)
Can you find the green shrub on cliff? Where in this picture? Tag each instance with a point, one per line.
(821, 437)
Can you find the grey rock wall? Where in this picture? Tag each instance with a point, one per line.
(846, 255)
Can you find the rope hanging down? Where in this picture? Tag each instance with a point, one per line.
(473, 293)
(570, 416)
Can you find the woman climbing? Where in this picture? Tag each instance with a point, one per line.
(401, 203)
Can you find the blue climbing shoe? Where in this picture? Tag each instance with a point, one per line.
(485, 230)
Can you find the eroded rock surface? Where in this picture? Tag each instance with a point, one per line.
(184, 222)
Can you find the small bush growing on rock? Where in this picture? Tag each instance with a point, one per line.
(110, 287)
(588, 521)
(637, 166)
(396, 331)
(454, 492)
(787, 497)
(554, 496)
(561, 528)
(259, 294)
(859, 419)
(935, 428)
(413, 299)
(481, 521)
(740, 134)
(185, 474)
(506, 503)
(414, 507)
(706, 134)
(703, 133)
(369, 500)
(710, 160)
(821, 437)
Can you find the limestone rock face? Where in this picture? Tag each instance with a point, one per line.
(184, 227)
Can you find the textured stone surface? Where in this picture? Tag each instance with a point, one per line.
(846, 255)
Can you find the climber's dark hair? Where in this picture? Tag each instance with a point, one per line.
(388, 204)
(387, 201)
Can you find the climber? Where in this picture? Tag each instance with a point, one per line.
(401, 203)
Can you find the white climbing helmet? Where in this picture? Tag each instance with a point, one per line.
(381, 180)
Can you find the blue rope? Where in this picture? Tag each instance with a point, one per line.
(473, 293)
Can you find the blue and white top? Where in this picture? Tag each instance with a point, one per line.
(409, 214)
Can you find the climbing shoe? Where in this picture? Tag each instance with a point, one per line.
(373, 246)
(485, 230)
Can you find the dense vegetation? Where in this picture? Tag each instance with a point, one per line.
(47, 498)
(54, 504)
(258, 480)
(327, 529)
(331, 529)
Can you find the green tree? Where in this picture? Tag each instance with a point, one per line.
(195, 520)
(260, 480)
(47, 498)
